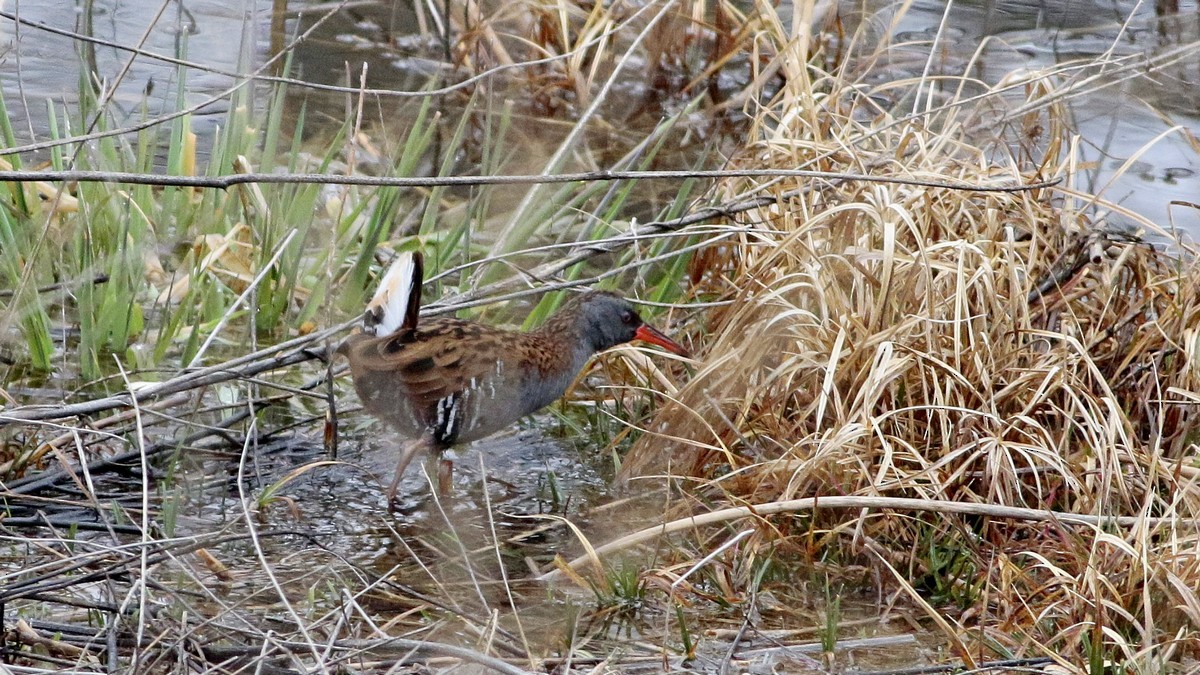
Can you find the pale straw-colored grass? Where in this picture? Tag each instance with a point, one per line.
(891, 341)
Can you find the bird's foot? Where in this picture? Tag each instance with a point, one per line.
(510, 489)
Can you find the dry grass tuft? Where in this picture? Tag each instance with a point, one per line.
(942, 344)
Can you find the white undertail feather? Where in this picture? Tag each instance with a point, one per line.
(397, 301)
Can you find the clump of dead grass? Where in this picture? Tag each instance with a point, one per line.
(951, 345)
(568, 52)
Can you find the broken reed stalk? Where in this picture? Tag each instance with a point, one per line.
(248, 178)
(267, 359)
(843, 502)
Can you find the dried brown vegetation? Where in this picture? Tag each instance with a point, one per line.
(891, 340)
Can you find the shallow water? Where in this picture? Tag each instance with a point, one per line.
(1125, 123)
(524, 472)
(1128, 121)
(44, 67)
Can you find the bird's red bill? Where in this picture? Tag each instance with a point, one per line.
(648, 333)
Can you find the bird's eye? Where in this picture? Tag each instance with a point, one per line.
(627, 318)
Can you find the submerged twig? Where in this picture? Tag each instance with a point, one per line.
(388, 646)
(32, 484)
(96, 280)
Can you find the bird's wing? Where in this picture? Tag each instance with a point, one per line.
(445, 357)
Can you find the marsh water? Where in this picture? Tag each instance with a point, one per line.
(1137, 131)
(511, 491)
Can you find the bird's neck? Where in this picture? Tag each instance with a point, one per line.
(562, 329)
(562, 352)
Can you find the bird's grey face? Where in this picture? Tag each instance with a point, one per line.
(608, 320)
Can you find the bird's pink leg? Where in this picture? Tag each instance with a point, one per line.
(407, 453)
(445, 476)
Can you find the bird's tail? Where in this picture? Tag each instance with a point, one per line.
(397, 303)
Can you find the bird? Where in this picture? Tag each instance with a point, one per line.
(444, 381)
